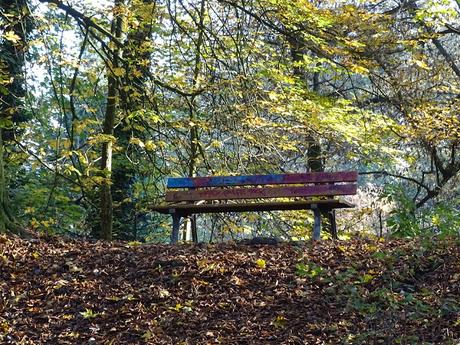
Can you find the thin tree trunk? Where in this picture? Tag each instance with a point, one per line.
(106, 203)
(5, 218)
(194, 135)
(7, 221)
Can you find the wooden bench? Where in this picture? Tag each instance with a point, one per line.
(217, 194)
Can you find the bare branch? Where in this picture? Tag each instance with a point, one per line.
(386, 173)
(85, 19)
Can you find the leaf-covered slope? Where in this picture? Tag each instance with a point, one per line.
(68, 292)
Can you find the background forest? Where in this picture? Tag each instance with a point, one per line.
(100, 101)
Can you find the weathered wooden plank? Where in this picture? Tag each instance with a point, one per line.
(187, 209)
(255, 193)
(222, 181)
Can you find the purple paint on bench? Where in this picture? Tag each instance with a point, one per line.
(254, 193)
(223, 181)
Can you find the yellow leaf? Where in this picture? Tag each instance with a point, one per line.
(177, 308)
(421, 64)
(118, 71)
(11, 36)
(342, 249)
(147, 336)
(136, 141)
(150, 145)
(367, 278)
(260, 263)
(279, 321)
(4, 327)
(137, 73)
(359, 69)
(371, 248)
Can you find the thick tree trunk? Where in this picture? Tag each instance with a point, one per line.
(11, 101)
(124, 175)
(314, 152)
(314, 155)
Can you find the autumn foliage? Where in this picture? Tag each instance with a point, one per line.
(360, 291)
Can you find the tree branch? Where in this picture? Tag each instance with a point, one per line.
(386, 173)
(85, 19)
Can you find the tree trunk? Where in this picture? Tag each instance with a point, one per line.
(106, 203)
(314, 152)
(6, 222)
(194, 134)
(11, 101)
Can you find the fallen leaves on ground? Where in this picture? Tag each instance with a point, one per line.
(61, 291)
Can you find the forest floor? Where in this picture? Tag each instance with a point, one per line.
(57, 291)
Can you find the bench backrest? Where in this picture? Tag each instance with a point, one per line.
(276, 186)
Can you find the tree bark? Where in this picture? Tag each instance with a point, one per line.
(11, 101)
(314, 152)
(6, 222)
(106, 202)
(191, 228)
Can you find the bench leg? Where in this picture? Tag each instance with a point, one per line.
(175, 228)
(194, 229)
(317, 225)
(333, 224)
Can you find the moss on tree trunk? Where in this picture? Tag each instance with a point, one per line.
(7, 222)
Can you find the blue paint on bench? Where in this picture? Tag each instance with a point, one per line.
(214, 181)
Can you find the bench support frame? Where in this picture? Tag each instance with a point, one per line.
(321, 209)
